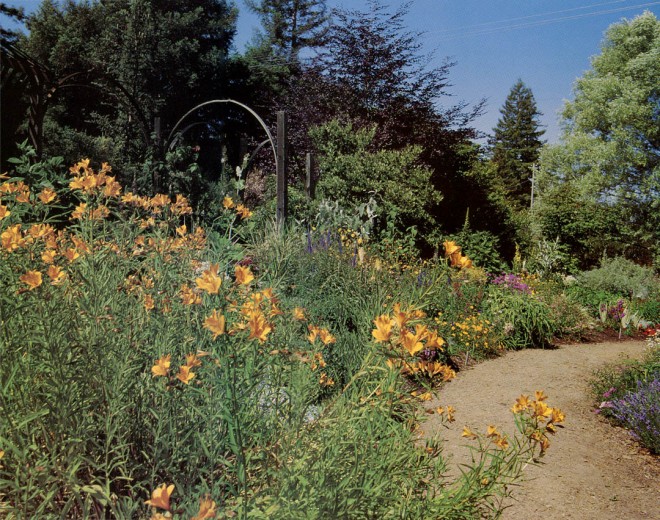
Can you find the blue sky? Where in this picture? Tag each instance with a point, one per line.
(548, 44)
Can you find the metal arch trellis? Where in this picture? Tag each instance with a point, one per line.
(278, 147)
(225, 101)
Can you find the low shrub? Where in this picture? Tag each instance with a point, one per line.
(639, 411)
(621, 277)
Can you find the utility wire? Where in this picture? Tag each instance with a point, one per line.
(449, 37)
(507, 20)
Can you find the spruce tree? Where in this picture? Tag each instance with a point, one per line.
(516, 145)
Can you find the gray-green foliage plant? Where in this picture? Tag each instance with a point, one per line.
(622, 277)
(352, 174)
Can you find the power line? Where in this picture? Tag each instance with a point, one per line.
(507, 20)
(449, 37)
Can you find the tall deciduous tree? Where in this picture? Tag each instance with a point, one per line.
(517, 144)
(610, 151)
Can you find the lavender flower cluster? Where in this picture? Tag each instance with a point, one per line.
(639, 411)
(617, 312)
(512, 282)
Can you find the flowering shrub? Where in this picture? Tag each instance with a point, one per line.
(513, 282)
(639, 411)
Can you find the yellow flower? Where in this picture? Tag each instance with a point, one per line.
(188, 296)
(400, 317)
(325, 380)
(434, 341)
(12, 238)
(326, 337)
(181, 230)
(259, 327)
(71, 254)
(193, 361)
(541, 410)
(185, 374)
(32, 279)
(450, 413)
(243, 211)
(162, 366)
(492, 431)
(383, 331)
(411, 342)
(4, 212)
(207, 509)
(450, 248)
(210, 281)
(501, 442)
(227, 202)
(522, 403)
(47, 195)
(313, 333)
(468, 433)
(243, 275)
(79, 211)
(557, 416)
(539, 395)
(215, 323)
(149, 303)
(299, 314)
(160, 497)
(56, 275)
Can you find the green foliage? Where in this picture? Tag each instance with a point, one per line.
(523, 320)
(608, 155)
(352, 175)
(481, 246)
(622, 277)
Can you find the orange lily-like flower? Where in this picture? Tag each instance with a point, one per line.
(47, 195)
(502, 442)
(207, 509)
(539, 395)
(48, 256)
(400, 317)
(4, 212)
(464, 262)
(188, 296)
(210, 281)
(215, 323)
(522, 404)
(259, 327)
(79, 211)
(298, 314)
(181, 230)
(411, 342)
(313, 333)
(450, 248)
(492, 431)
(243, 211)
(434, 341)
(326, 337)
(149, 303)
(325, 380)
(243, 275)
(542, 410)
(383, 331)
(185, 374)
(32, 279)
(56, 275)
(193, 361)
(12, 238)
(162, 366)
(160, 497)
(227, 202)
(71, 254)
(468, 433)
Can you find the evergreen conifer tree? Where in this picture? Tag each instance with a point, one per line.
(516, 145)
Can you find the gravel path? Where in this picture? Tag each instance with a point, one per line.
(591, 470)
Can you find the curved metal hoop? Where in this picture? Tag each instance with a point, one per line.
(222, 101)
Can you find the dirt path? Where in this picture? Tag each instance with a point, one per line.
(592, 470)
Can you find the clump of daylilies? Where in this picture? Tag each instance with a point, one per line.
(160, 501)
(412, 346)
(534, 419)
(456, 258)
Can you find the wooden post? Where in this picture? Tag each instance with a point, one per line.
(310, 185)
(281, 170)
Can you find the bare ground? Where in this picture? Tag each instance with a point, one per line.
(592, 470)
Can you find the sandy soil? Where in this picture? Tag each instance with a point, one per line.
(592, 470)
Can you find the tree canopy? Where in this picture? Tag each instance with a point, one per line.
(610, 149)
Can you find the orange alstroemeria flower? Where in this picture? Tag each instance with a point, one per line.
(160, 497)
(259, 327)
(207, 509)
(185, 374)
(12, 238)
(162, 366)
(383, 331)
(210, 281)
(4, 212)
(56, 275)
(298, 314)
(243, 275)
(450, 248)
(47, 195)
(32, 279)
(215, 323)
